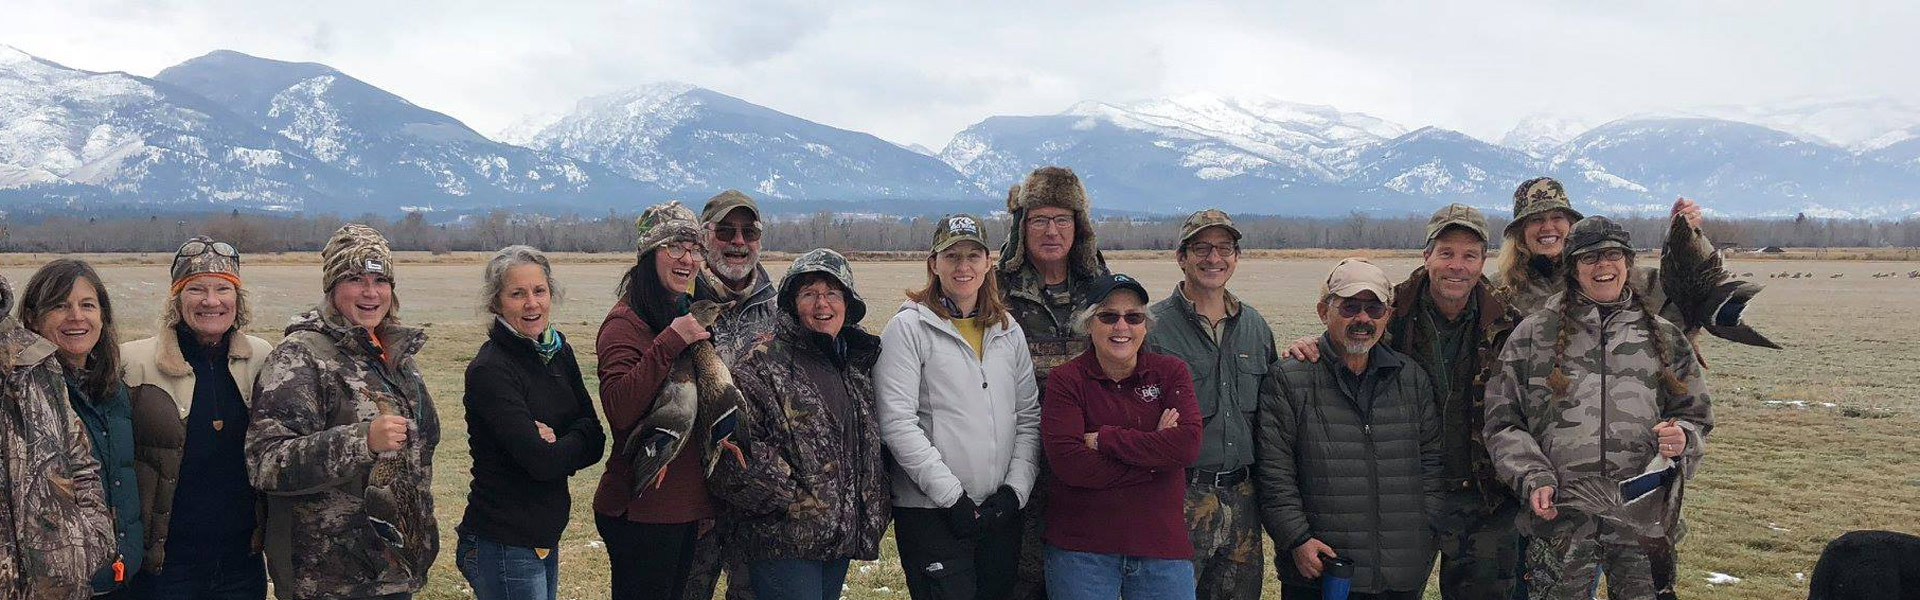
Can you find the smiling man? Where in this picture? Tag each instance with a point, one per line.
(1227, 346)
(733, 274)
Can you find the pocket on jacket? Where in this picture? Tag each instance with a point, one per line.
(1250, 369)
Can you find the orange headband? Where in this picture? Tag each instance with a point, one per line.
(182, 283)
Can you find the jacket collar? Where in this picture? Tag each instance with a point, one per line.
(397, 341)
(172, 363)
(1188, 309)
(933, 319)
(1408, 295)
(22, 348)
(709, 287)
(862, 348)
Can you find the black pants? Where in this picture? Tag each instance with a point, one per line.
(942, 567)
(234, 578)
(1301, 592)
(648, 560)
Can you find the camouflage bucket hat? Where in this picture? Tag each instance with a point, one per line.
(1456, 215)
(201, 255)
(1212, 217)
(954, 229)
(718, 206)
(822, 260)
(355, 249)
(664, 223)
(1539, 195)
(1596, 233)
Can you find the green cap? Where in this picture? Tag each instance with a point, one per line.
(718, 206)
(957, 228)
(1538, 195)
(1456, 215)
(1212, 217)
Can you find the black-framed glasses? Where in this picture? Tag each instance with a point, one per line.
(1209, 249)
(1042, 223)
(1350, 308)
(681, 250)
(197, 247)
(726, 233)
(1609, 255)
(1110, 317)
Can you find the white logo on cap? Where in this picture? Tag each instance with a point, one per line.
(963, 225)
(374, 266)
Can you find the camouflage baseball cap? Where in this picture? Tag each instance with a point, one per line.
(957, 228)
(822, 260)
(201, 255)
(1593, 234)
(1456, 215)
(1212, 217)
(353, 250)
(1355, 275)
(718, 206)
(663, 223)
(1538, 195)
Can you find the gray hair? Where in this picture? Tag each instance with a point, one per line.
(1083, 318)
(505, 260)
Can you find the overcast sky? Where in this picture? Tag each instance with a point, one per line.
(916, 72)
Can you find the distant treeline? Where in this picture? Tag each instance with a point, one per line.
(613, 232)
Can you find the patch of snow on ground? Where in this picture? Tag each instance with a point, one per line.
(1714, 578)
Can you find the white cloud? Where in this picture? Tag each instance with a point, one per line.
(920, 71)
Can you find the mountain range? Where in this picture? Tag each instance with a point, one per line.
(232, 131)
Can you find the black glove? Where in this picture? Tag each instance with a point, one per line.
(1003, 504)
(964, 518)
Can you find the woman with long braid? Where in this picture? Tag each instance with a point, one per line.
(1590, 397)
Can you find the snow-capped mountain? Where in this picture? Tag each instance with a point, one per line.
(401, 150)
(1440, 165)
(1857, 124)
(686, 138)
(82, 139)
(1541, 135)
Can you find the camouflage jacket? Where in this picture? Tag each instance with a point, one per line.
(55, 528)
(815, 486)
(1604, 427)
(342, 521)
(1462, 421)
(748, 323)
(1050, 338)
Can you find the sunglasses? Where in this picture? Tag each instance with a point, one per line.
(197, 247)
(726, 233)
(1109, 317)
(1351, 308)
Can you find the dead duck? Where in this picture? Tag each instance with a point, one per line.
(698, 400)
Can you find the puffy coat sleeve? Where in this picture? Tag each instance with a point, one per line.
(291, 448)
(896, 382)
(766, 484)
(95, 517)
(1026, 420)
(1518, 460)
(1276, 480)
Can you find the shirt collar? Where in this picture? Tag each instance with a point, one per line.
(1233, 302)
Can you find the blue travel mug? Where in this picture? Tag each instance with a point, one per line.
(1337, 579)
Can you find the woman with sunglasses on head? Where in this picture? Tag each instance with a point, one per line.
(1119, 425)
(659, 534)
(66, 303)
(1597, 394)
(961, 415)
(191, 386)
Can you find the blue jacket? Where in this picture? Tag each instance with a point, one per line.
(110, 432)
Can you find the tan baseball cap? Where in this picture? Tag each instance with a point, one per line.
(957, 228)
(1355, 275)
(1212, 217)
(1456, 215)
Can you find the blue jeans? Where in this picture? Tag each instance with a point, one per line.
(502, 572)
(1088, 576)
(797, 579)
(239, 578)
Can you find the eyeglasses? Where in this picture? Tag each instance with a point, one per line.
(829, 296)
(726, 233)
(197, 247)
(681, 250)
(1109, 317)
(1042, 223)
(1609, 255)
(1350, 308)
(1208, 249)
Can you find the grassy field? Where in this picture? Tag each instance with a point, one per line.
(1812, 441)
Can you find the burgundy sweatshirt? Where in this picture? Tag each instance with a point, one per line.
(633, 366)
(1125, 498)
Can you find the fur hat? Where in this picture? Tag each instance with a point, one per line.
(355, 249)
(1051, 187)
(665, 223)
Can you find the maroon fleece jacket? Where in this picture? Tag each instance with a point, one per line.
(1125, 498)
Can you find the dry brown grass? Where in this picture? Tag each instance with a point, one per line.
(1779, 482)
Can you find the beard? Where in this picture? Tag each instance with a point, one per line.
(729, 272)
(1354, 348)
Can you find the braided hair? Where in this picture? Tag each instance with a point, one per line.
(1670, 383)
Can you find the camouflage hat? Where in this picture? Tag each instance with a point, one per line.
(1212, 217)
(201, 255)
(1456, 215)
(957, 228)
(718, 206)
(1538, 195)
(1596, 233)
(822, 260)
(1355, 275)
(355, 249)
(664, 223)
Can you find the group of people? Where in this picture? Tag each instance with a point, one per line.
(1034, 426)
